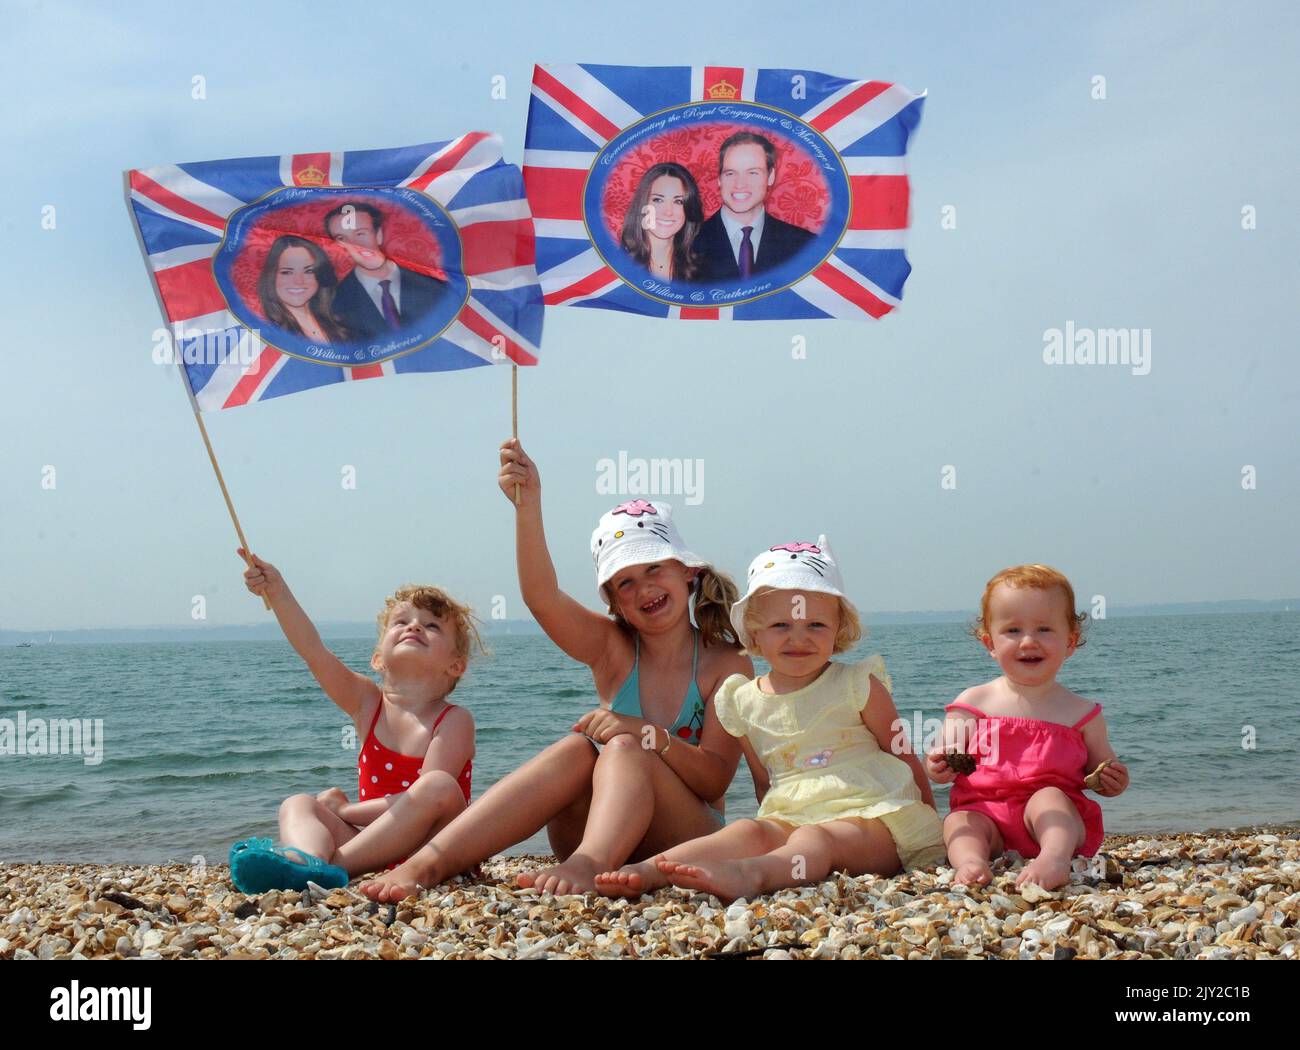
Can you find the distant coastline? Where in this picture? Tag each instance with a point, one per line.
(499, 628)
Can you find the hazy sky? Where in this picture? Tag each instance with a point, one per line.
(1117, 213)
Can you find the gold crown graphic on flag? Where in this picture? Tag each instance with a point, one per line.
(724, 89)
(311, 176)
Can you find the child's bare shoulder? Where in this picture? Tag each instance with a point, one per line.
(457, 716)
(1075, 706)
(720, 662)
(977, 696)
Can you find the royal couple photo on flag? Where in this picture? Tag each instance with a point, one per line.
(665, 231)
(341, 275)
(332, 281)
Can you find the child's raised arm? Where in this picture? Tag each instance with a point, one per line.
(881, 717)
(582, 634)
(341, 684)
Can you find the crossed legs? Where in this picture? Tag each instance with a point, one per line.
(430, 803)
(599, 810)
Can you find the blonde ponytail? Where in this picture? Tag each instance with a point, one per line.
(714, 596)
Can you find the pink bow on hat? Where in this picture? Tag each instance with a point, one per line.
(796, 548)
(635, 507)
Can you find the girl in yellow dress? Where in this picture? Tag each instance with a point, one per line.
(841, 789)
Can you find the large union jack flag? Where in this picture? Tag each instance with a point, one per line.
(456, 221)
(840, 187)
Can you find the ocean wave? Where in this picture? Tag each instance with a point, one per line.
(62, 793)
(166, 759)
(226, 775)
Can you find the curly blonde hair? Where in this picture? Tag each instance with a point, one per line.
(441, 604)
(713, 594)
(1039, 577)
(848, 634)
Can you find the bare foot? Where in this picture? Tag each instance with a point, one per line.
(405, 880)
(1048, 872)
(725, 879)
(575, 875)
(973, 873)
(631, 880)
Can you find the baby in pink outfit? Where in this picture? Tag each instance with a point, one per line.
(1033, 741)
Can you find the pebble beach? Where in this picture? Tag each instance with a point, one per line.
(1213, 895)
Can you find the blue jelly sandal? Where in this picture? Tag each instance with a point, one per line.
(256, 865)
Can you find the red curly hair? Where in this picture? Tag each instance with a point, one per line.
(1040, 577)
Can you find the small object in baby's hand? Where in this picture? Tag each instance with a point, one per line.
(1093, 780)
(959, 762)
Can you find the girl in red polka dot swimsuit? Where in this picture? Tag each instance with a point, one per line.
(382, 772)
(416, 758)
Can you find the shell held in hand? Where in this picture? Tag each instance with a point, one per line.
(1093, 780)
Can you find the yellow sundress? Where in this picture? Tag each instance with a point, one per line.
(824, 764)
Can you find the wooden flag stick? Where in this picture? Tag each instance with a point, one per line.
(248, 555)
(180, 370)
(514, 412)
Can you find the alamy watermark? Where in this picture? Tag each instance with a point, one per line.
(54, 736)
(923, 735)
(1098, 346)
(200, 347)
(72, 1002)
(634, 476)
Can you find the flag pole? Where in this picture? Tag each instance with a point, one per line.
(180, 369)
(212, 456)
(514, 412)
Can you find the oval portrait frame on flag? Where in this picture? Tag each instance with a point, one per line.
(668, 148)
(362, 322)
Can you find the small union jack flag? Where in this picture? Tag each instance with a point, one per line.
(281, 274)
(627, 171)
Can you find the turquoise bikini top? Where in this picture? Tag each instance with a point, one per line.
(690, 719)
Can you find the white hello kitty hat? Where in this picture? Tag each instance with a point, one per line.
(791, 567)
(636, 533)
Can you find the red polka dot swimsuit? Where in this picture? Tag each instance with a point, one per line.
(382, 772)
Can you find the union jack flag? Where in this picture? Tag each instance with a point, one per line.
(206, 229)
(841, 179)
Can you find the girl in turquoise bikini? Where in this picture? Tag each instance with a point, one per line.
(648, 767)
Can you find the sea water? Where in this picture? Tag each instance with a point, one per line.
(201, 741)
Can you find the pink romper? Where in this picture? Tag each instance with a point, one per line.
(1017, 757)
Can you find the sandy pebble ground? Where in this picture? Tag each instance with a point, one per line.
(1213, 895)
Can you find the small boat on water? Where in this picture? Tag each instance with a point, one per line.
(24, 645)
